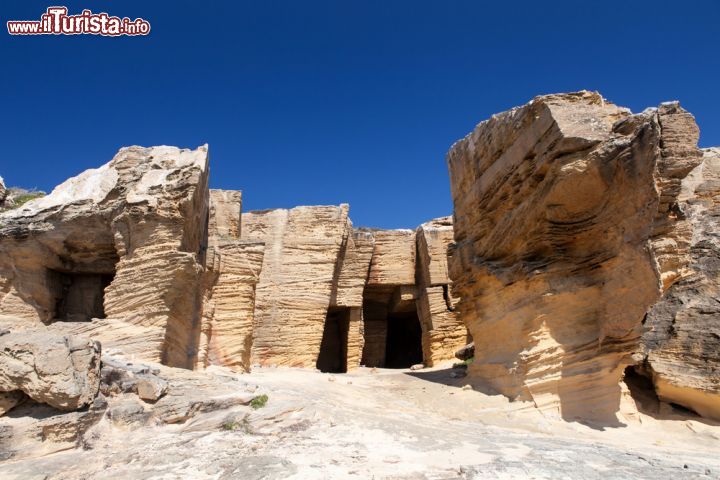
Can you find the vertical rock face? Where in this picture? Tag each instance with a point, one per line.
(409, 314)
(140, 255)
(389, 301)
(346, 300)
(393, 260)
(681, 345)
(232, 272)
(125, 241)
(565, 211)
(224, 222)
(302, 246)
(443, 331)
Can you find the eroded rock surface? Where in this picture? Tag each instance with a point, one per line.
(8, 400)
(443, 331)
(302, 246)
(132, 396)
(124, 241)
(567, 232)
(682, 341)
(61, 371)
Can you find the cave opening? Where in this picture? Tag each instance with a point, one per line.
(392, 330)
(79, 297)
(333, 349)
(403, 347)
(641, 388)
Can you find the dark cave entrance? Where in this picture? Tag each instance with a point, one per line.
(79, 297)
(403, 347)
(333, 349)
(393, 334)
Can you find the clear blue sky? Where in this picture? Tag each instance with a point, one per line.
(324, 102)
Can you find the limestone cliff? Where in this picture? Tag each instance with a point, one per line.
(443, 331)
(567, 232)
(408, 308)
(124, 242)
(232, 273)
(302, 246)
(681, 345)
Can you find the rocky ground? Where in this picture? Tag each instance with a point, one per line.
(369, 424)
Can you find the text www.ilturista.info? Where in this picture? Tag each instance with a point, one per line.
(56, 21)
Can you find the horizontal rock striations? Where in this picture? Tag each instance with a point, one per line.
(567, 232)
(141, 255)
(583, 241)
(302, 246)
(232, 272)
(681, 344)
(125, 241)
(443, 331)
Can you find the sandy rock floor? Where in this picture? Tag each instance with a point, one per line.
(392, 424)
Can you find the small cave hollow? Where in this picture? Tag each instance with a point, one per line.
(79, 297)
(641, 388)
(333, 349)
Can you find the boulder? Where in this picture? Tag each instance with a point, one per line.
(150, 388)
(61, 371)
(467, 352)
(567, 231)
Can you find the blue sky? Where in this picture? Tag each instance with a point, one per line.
(325, 102)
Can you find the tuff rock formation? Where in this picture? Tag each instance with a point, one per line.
(568, 230)
(681, 347)
(232, 273)
(443, 332)
(125, 242)
(141, 256)
(302, 247)
(61, 371)
(131, 395)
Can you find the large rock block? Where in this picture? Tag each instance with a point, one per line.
(443, 330)
(232, 272)
(229, 305)
(433, 239)
(61, 371)
(393, 260)
(681, 346)
(563, 210)
(352, 269)
(302, 247)
(225, 214)
(126, 241)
